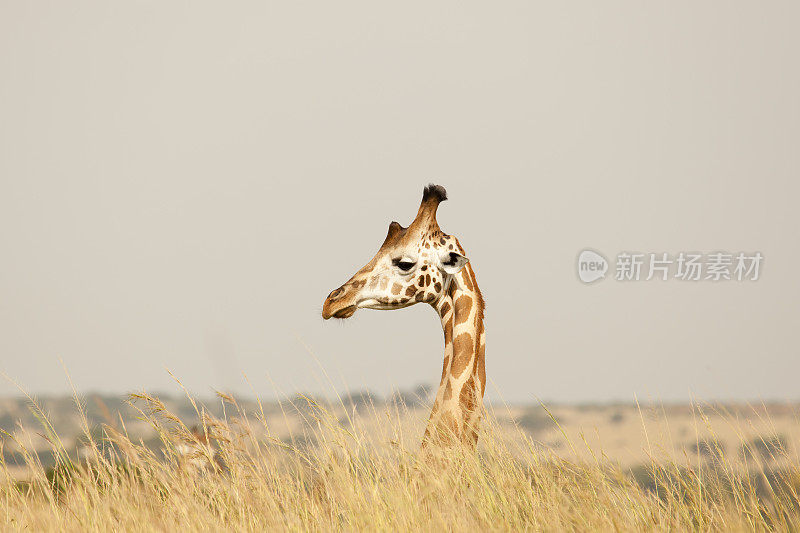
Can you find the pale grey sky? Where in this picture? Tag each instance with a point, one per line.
(182, 183)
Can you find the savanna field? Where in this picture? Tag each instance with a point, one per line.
(169, 462)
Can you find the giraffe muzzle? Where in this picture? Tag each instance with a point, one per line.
(337, 306)
(345, 312)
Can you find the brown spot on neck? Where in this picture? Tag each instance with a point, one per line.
(463, 352)
(467, 399)
(463, 306)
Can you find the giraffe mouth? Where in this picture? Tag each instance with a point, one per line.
(345, 312)
(382, 305)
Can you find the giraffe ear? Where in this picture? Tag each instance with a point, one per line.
(453, 262)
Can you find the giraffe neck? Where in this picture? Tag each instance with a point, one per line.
(459, 400)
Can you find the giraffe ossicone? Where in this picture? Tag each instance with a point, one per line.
(421, 263)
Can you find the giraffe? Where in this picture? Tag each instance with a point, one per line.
(421, 263)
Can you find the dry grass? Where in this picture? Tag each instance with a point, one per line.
(336, 475)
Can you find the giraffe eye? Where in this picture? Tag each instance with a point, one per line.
(405, 266)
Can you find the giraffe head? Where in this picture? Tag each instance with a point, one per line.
(414, 264)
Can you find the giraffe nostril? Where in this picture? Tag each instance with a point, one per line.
(335, 294)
